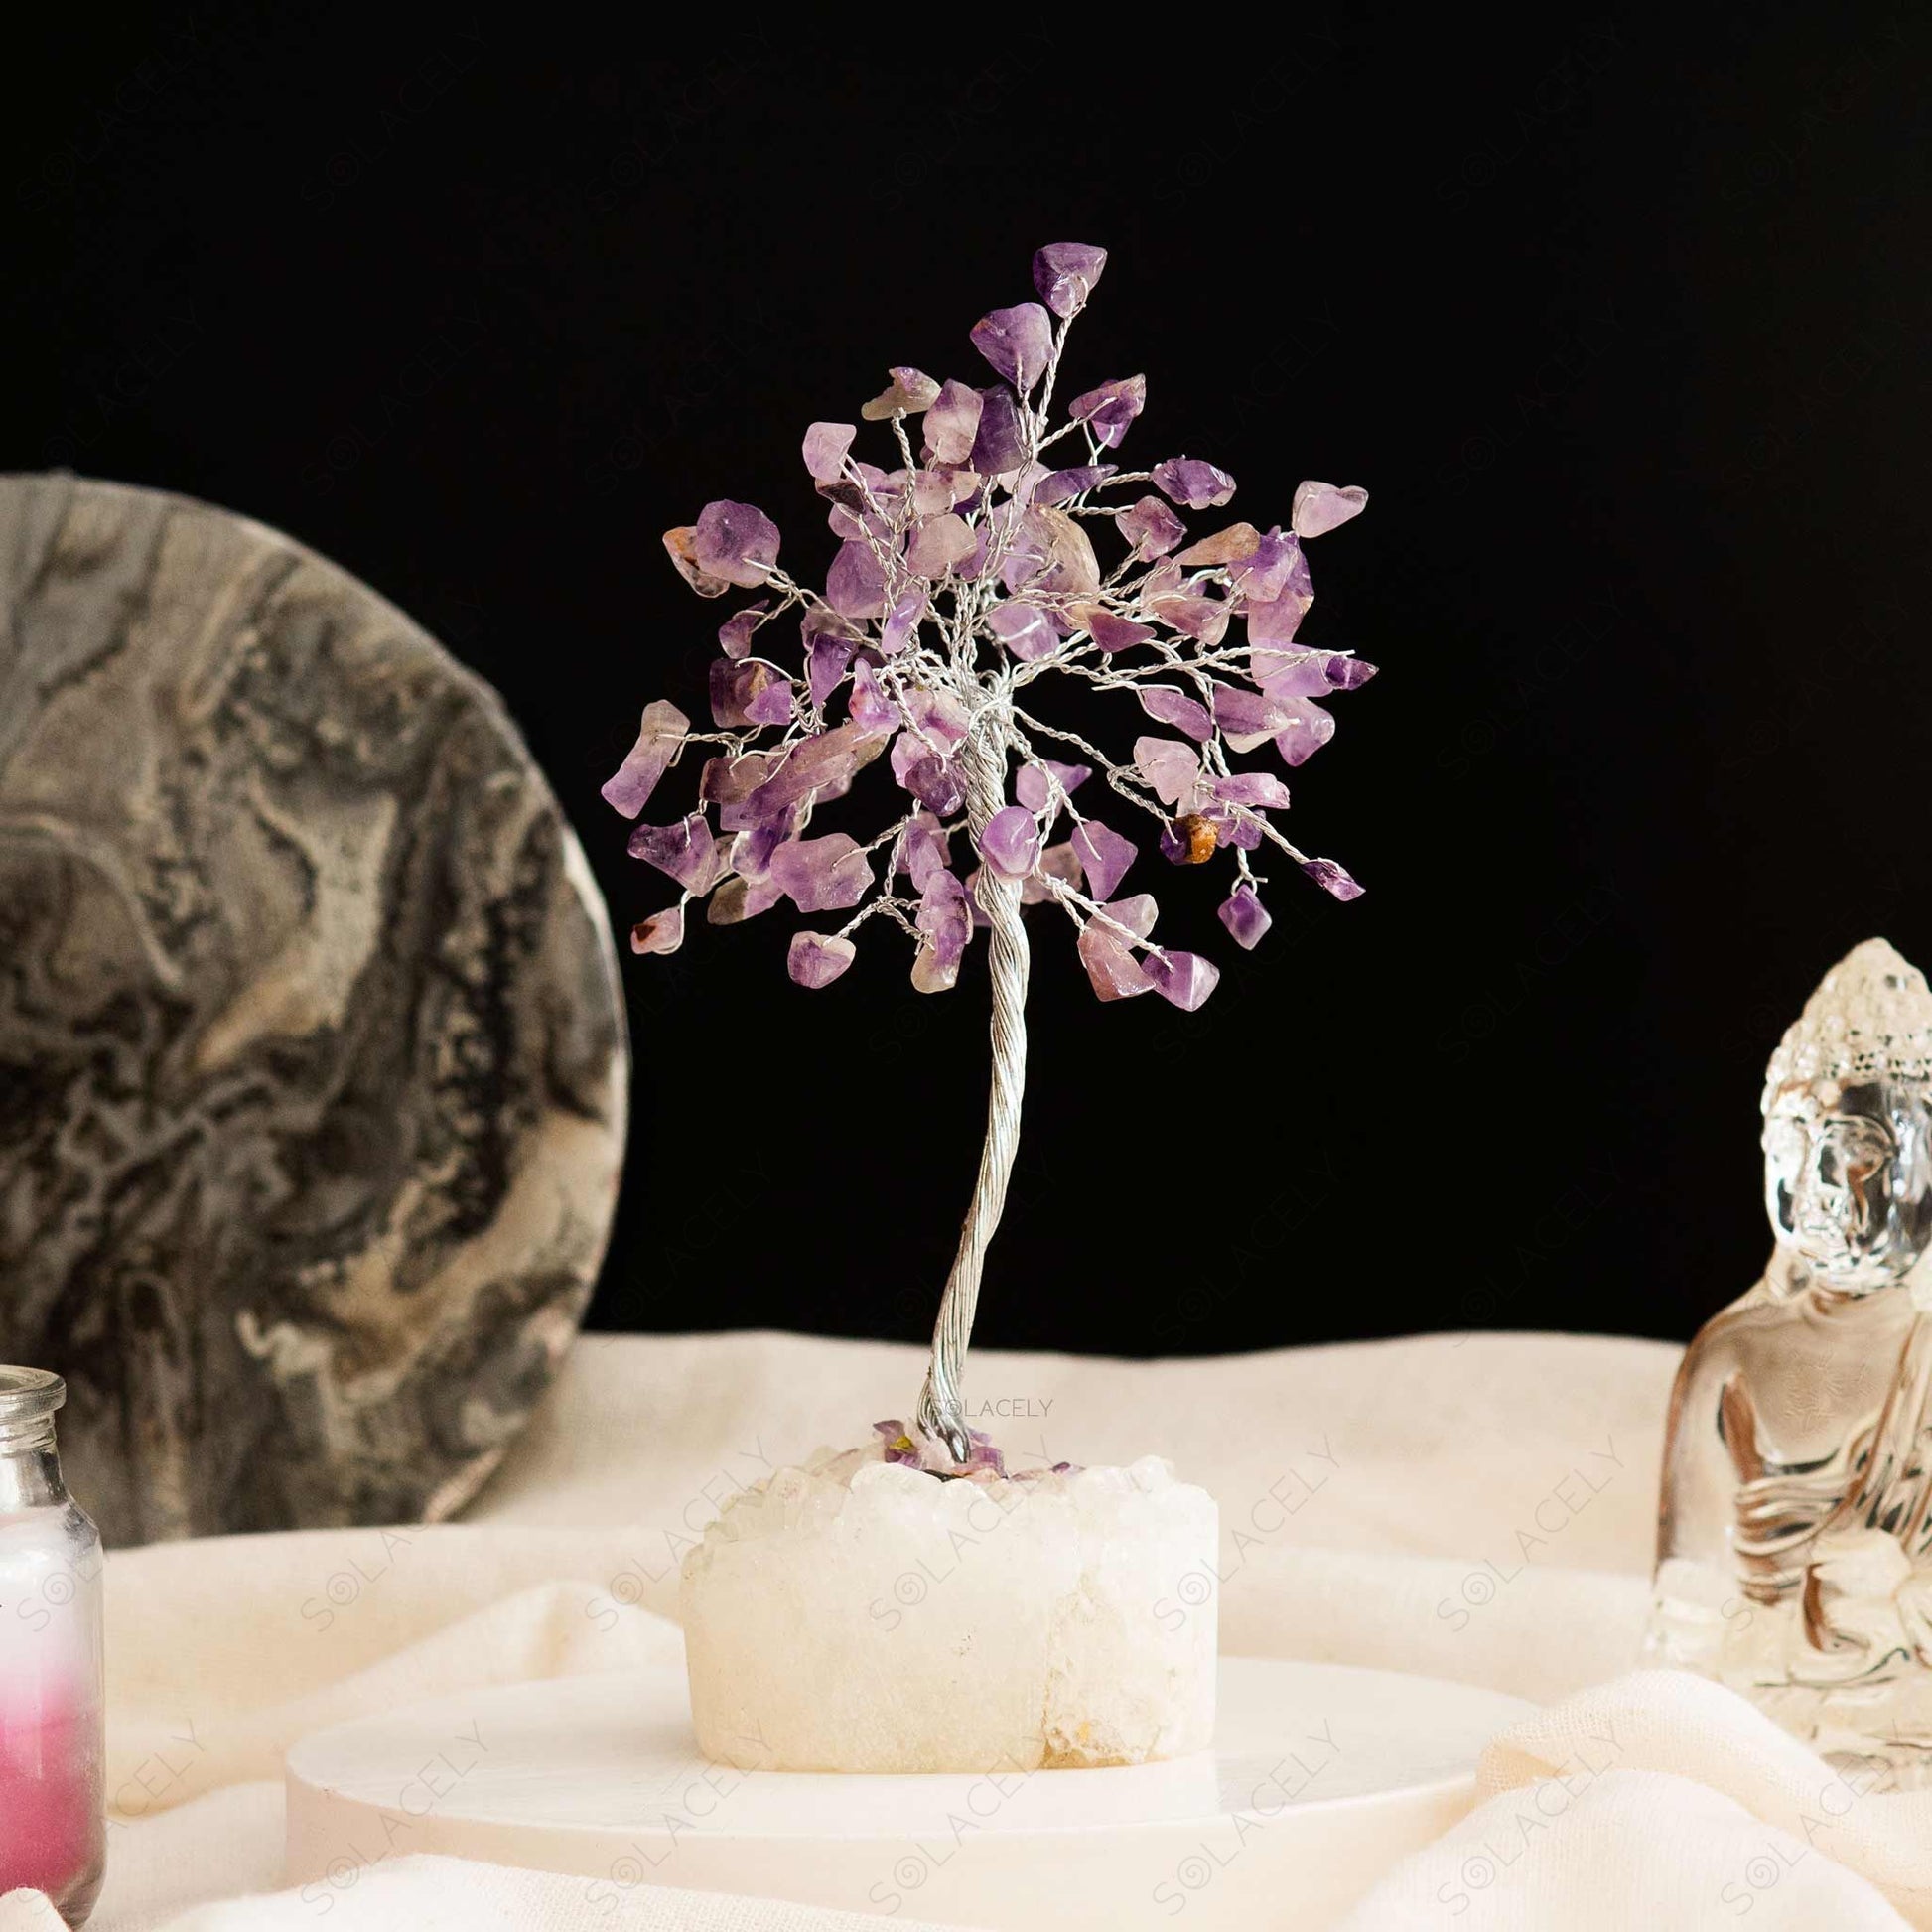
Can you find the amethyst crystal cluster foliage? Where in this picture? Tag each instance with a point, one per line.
(964, 576)
(995, 553)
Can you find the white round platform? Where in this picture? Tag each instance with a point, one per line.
(1320, 1777)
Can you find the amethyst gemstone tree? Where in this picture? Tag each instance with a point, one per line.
(965, 578)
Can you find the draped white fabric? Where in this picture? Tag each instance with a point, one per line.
(1478, 1507)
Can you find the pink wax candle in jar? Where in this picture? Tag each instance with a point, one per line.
(53, 1834)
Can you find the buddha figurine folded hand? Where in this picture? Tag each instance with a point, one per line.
(1794, 1557)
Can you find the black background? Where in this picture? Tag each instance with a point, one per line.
(1622, 322)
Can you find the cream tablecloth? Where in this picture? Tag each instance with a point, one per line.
(1478, 1507)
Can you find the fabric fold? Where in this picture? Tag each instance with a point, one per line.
(1475, 1507)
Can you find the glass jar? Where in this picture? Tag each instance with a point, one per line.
(53, 1834)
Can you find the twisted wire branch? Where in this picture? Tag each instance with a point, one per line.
(927, 675)
(941, 1417)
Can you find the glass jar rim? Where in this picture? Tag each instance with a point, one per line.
(29, 1394)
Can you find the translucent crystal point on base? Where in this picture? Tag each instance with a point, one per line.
(1795, 1527)
(866, 1616)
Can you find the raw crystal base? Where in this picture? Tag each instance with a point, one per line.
(866, 1616)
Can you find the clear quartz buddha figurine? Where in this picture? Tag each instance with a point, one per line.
(1794, 1549)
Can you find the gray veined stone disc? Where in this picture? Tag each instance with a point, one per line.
(312, 1049)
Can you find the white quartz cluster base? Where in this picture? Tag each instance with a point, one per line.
(879, 1620)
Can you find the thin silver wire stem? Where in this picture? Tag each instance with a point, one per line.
(941, 1414)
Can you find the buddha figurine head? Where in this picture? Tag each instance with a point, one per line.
(1848, 1124)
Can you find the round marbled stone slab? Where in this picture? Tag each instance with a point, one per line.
(312, 1049)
